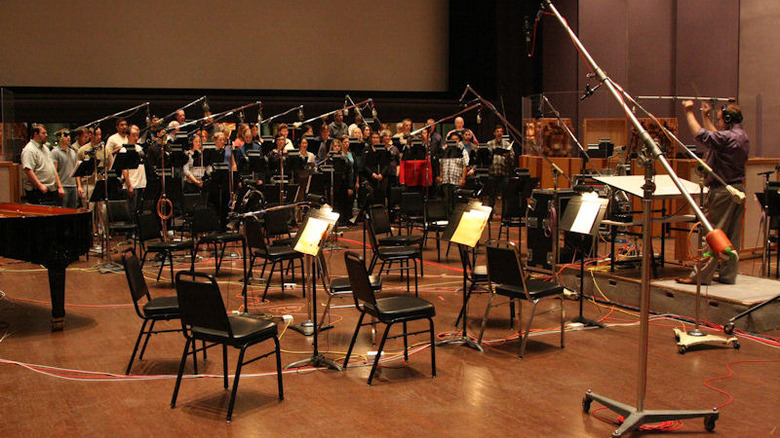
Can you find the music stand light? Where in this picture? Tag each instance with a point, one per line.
(308, 242)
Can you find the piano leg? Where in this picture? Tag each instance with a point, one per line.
(57, 290)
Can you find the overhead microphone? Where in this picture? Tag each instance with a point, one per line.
(463, 96)
(589, 91)
(148, 116)
(479, 116)
(373, 109)
(206, 108)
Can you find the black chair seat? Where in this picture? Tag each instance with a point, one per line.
(122, 226)
(536, 289)
(277, 252)
(245, 330)
(342, 285)
(162, 306)
(168, 246)
(400, 240)
(221, 237)
(401, 307)
(400, 252)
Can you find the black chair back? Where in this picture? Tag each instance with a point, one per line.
(148, 227)
(277, 222)
(119, 211)
(412, 203)
(380, 219)
(435, 210)
(205, 220)
(359, 281)
(395, 195)
(200, 303)
(135, 279)
(371, 234)
(503, 264)
(254, 234)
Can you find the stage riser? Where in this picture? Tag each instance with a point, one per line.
(666, 300)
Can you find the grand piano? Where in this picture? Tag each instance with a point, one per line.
(50, 236)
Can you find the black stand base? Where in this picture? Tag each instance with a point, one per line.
(635, 418)
(463, 340)
(587, 322)
(316, 361)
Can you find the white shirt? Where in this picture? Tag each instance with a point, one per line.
(115, 142)
(136, 177)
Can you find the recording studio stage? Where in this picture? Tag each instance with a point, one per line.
(719, 301)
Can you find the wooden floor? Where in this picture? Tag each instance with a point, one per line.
(490, 394)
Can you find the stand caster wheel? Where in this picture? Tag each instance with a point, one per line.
(586, 404)
(728, 328)
(682, 349)
(709, 423)
(736, 345)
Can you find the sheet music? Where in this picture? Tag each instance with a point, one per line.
(470, 227)
(311, 236)
(586, 216)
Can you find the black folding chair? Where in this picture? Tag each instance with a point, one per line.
(390, 254)
(153, 310)
(206, 230)
(339, 286)
(507, 277)
(204, 317)
(276, 254)
(389, 311)
(151, 240)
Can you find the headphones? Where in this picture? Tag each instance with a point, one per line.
(730, 117)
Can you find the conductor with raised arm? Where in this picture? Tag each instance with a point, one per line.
(726, 149)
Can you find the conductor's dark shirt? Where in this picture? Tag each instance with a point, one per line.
(727, 153)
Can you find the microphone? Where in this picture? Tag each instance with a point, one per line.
(541, 105)
(589, 91)
(300, 113)
(528, 36)
(206, 105)
(373, 110)
(479, 116)
(148, 116)
(345, 110)
(463, 96)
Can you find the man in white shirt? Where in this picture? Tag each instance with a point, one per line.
(119, 139)
(42, 184)
(135, 179)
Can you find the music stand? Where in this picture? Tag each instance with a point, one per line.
(465, 227)
(583, 217)
(308, 242)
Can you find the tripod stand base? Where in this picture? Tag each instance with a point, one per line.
(462, 340)
(690, 338)
(635, 418)
(316, 361)
(587, 322)
(306, 328)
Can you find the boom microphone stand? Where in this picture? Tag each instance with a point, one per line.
(637, 416)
